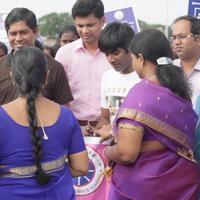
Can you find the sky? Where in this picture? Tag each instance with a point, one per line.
(150, 11)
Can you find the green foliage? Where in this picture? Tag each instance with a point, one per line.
(50, 25)
(143, 25)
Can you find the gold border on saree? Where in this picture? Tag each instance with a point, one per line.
(123, 125)
(28, 171)
(157, 125)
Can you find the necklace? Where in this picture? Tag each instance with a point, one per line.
(45, 137)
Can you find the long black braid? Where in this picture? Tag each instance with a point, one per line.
(29, 71)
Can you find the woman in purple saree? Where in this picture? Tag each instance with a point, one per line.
(155, 129)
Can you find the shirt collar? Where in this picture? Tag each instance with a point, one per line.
(196, 66)
(79, 45)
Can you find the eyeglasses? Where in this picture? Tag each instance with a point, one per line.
(180, 37)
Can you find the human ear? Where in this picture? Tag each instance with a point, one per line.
(141, 58)
(103, 20)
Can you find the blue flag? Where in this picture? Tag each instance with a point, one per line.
(124, 15)
(194, 8)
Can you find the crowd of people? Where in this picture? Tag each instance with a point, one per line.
(105, 82)
(66, 35)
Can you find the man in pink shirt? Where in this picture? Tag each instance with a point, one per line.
(84, 63)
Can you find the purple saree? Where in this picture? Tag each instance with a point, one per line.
(170, 173)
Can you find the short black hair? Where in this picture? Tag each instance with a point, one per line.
(115, 35)
(68, 28)
(21, 14)
(194, 22)
(83, 8)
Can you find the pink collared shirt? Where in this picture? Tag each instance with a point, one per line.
(84, 72)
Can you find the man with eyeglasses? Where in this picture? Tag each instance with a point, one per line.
(186, 45)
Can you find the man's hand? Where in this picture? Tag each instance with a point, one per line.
(87, 130)
(105, 132)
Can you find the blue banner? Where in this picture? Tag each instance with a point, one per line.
(194, 8)
(124, 15)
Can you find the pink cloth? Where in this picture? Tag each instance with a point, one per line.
(84, 72)
(94, 185)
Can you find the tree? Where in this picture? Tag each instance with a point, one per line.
(50, 25)
(143, 25)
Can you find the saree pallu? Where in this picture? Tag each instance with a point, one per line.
(171, 173)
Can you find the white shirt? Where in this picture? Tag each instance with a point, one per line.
(194, 80)
(114, 88)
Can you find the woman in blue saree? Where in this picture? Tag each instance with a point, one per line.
(155, 129)
(37, 136)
